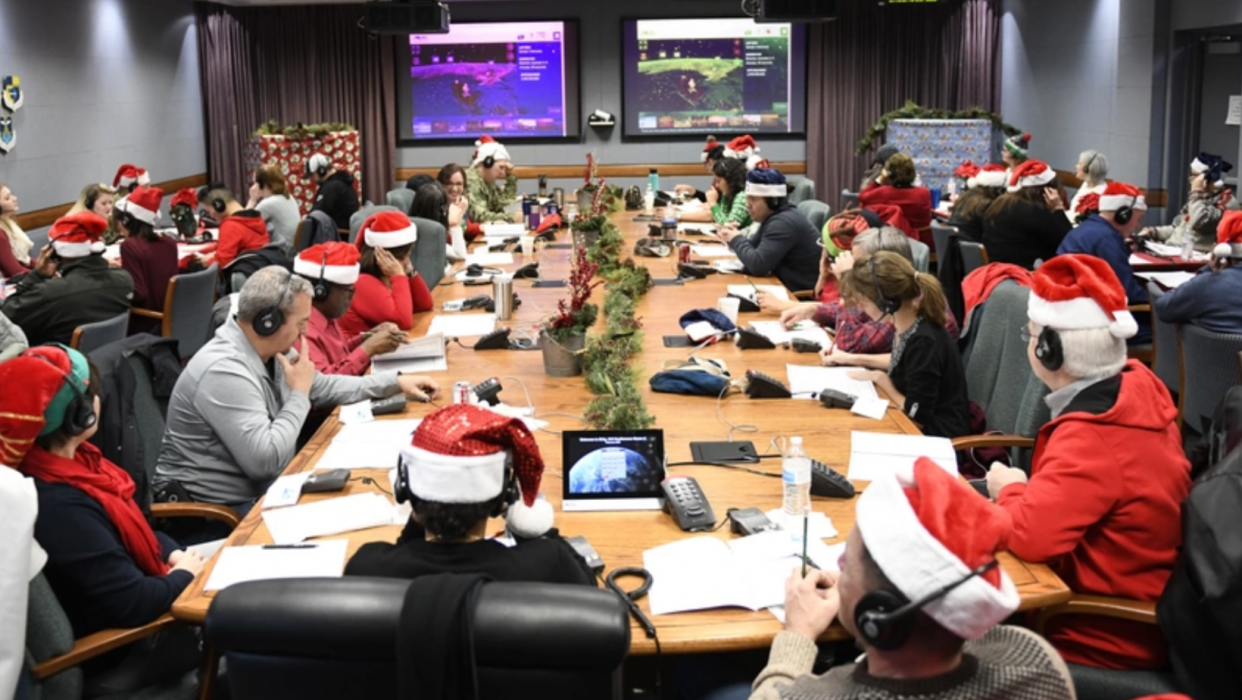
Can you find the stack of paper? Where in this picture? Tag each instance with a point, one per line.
(1170, 251)
(1168, 280)
(260, 563)
(877, 455)
(374, 445)
(418, 356)
(331, 517)
(806, 381)
(804, 330)
(462, 326)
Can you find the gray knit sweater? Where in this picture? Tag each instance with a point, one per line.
(1008, 663)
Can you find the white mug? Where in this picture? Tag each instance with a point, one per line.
(528, 246)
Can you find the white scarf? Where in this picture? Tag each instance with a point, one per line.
(18, 240)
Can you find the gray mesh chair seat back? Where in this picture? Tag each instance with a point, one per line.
(401, 198)
(187, 310)
(974, 256)
(921, 254)
(429, 258)
(1165, 360)
(1209, 369)
(90, 336)
(802, 191)
(816, 212)
(940, 237)
(335, 638)
(849, 200)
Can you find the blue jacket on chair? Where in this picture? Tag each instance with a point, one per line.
(1210, 299)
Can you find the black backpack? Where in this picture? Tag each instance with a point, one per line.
(1200, 610)
(243, 266)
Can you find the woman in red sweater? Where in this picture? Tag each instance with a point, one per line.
(389, 290)
(150, 258)
(1102, 506)
(895, 186)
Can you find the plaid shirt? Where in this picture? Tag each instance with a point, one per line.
(859, 335)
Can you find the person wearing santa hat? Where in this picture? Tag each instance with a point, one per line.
(1092, 169)
(489, 167)
(1211, 298)
(729, 187)
(1209, 200)
(71, 284)
(921, 591)
(464, 465)
(105, 563)
(786, 244)
(389, 290)
(336, 196)
(1106, 235)
(1102, 506)
(241, 230)
(181, 210)
(149, 257)
(1028, 222)
(333, 270)
(745, 149)
(1016, 150)
(895, 185)
(129, 177)
(237, 408)
(713, 151)
(982, 188)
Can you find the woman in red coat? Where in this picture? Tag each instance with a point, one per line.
(895, 186)
(389, 290)
(1102, 506)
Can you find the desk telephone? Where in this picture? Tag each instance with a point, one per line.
(685, 501)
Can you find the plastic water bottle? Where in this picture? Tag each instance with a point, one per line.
(951, 188)
(796, 476)
(649, 201)
(653, 181)
(1188, 246)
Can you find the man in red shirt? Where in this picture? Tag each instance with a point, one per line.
(333, 269)
(241, 229)
(1102, 506)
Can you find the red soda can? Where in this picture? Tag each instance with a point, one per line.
(461, 392)
(683, 252)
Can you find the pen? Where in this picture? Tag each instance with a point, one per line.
(752, 284)
(805, 522)
(290, 546)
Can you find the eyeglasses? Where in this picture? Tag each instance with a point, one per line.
(1025, 334)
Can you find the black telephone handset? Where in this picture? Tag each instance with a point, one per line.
(751, 339)
(685, 501)
(762, 386)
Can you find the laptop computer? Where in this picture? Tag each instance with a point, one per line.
(612, 470)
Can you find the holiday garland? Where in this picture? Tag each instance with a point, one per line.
(911, 110)
(300, 131)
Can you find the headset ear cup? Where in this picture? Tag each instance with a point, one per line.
(489, 162)
(401, 488)
(1048, 350)
(1124, 215)
(321, 290)
(873, 625)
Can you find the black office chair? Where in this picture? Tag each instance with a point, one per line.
(336, 638)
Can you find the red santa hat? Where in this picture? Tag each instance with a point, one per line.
(78, 235)
(388, 229)
(23, 413)
(1078, 292)
(487, 147)
(1229, 236)
(462, 454)
(990, 175)
(143, 204)
(1088, 204)
(1118, 194)
(926, 529)
(334, 262)
(745, 148)
(714, 150)
(128, 174)
(966, 170)
(1032, 173)
(187, 196)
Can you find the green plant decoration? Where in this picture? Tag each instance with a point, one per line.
(300, 131)
(911, 110)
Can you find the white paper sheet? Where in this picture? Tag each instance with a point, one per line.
(712, 251)
(421, 355)
(1168, 251)
(748, 292)
(875, 455)
(330, 517)
(806, 381)
(729, 266)
(703, 572)
(373, 445)
(285, 490)
(489, 259)
(256, 563)
(461, 276)
(465, 325)
(1168, 280)
(805, 330)
(207, 550)
(870, 408)
(503, 230)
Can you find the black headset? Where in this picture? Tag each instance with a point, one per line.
(404, 494)
(1048, 350)
(884, 618)
(321, 287)
(80, 413)
(489, 162)
(270, 319)
(888, 305)
(321, 171)
(1126, 213)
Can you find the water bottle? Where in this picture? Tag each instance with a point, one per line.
(1188, 246)
(796, 476)
(649, 201)
(653, 180)
(951, 188)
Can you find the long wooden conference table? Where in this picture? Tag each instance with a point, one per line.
(621, 537)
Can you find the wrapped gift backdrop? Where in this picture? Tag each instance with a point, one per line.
(938, 146)
(343, 147)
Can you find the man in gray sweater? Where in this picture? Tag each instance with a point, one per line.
(237, 409)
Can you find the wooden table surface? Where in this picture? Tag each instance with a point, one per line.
(621, 538)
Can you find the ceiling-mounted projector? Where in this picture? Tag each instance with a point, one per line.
(407, 17)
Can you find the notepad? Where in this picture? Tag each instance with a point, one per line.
(258, 563)
(877, 455)
(805, 330)
(331, 517)
(807, 381)
(462, 325)
(375, 445)
(418, 356)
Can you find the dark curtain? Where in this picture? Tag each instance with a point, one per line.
(872, 59)
(308, 64)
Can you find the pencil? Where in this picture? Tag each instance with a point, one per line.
(752, 284)
(805, 522)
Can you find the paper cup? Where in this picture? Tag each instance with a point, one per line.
(528, 246)
(729, 307)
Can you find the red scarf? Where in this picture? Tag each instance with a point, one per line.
(108, 484)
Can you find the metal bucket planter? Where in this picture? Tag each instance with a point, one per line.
(562, 360)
